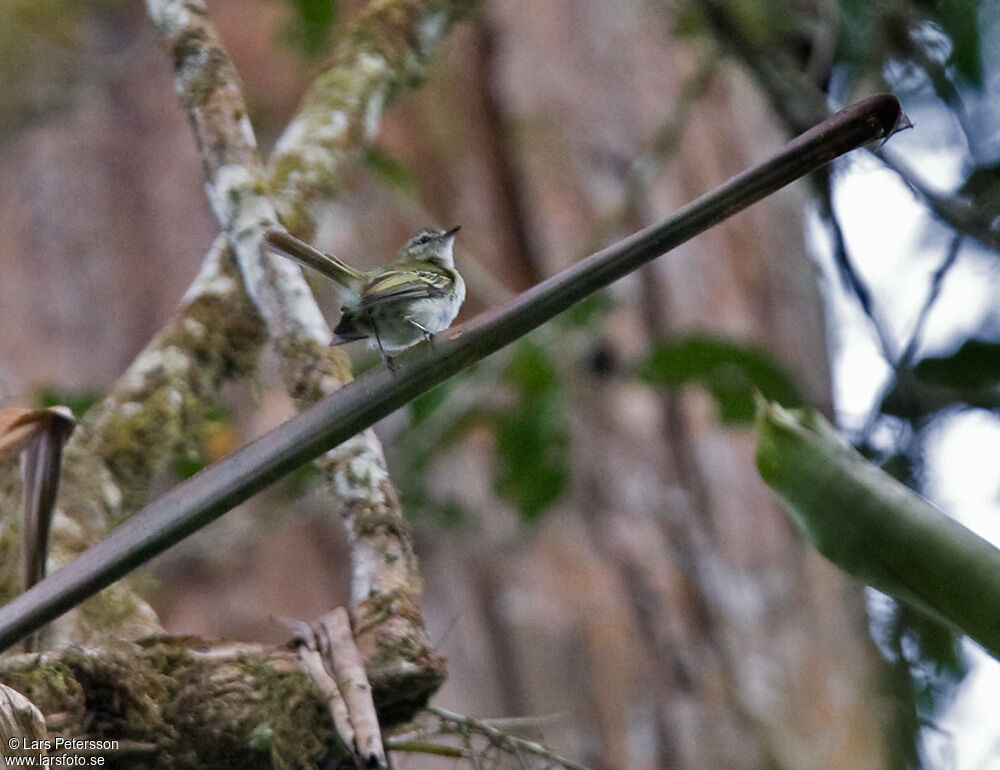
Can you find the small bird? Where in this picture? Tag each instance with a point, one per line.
(414, 298)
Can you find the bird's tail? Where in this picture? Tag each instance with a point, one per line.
(289, 246)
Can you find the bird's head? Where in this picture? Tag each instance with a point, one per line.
(431, 246)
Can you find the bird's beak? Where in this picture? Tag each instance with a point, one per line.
(451, 233)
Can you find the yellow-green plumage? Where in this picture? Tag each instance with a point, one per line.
(415, 297)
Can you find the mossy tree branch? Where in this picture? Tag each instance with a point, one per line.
(154, 412)
(385, 50)
(382, 54)
(184, 703)
(260, 711)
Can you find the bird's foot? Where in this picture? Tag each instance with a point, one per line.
(428, 335)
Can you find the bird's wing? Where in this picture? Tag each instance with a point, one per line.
(396, 285)
(349, 329)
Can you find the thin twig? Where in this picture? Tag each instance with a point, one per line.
(856, 284)
(311, 662)
(795, 98)
(509, 742)
(342, 658)
(905, 357)
(937, 280)
(425, 747)
(962, 216)
(638, 172)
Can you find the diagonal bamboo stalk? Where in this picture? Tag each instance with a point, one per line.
(336, 418)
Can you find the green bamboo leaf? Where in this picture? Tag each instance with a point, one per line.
(876, 529)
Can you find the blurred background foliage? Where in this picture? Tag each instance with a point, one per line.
(524, 407)
(939, 56)
(312, 25)
(943, 60)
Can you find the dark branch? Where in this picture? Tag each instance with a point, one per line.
(203, 498)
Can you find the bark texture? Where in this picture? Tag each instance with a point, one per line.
(153, 414)
(186, 703)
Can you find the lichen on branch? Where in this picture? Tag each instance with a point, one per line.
(153, 413)
(383, 52)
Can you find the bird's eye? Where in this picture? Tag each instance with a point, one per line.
(423, 239)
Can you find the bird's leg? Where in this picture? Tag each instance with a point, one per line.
(428, 335)
(385, 356)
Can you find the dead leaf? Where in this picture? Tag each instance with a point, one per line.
(19, 426)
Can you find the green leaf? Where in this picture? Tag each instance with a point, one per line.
(532, 437)
(531, 370)
(688, 20)
(423, 406)
(982, 186)
(968, 377)
(959, 20)
(931, 650)
(864, 25)
(300, 481)
(531, 450)
(79, 401)
(860, 22)
(313, 24)
(875, 528)
(389, 171)
(976, 364)
(188, 464)
(937, 659)
(732, 372)
(420, 504)
(588, 311)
